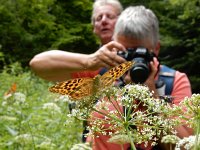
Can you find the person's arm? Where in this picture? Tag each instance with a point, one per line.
(57, 65)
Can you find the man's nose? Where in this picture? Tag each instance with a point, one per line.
(104, 18)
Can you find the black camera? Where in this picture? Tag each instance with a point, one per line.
(142, 57)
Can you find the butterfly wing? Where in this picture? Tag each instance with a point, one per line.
(82, 87)
(110, 76)
(86, 89)
(12, 89)
(75, 88)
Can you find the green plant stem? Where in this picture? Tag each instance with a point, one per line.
(197, 143)
(131, 141)
(117, 109)
(114, 118)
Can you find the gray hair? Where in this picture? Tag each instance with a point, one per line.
(115, 3)
(138, 22)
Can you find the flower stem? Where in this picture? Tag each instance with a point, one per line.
(197, 140)
(131, 141)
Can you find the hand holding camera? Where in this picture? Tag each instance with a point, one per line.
(142, 58)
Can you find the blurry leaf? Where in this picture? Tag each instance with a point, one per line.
(11, 131)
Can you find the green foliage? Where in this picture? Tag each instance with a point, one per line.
(29, 27)
(76, 35)
(32, 117)
(180, 37)
(25, 25)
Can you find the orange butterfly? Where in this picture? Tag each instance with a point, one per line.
(82, 87)
(12, 89)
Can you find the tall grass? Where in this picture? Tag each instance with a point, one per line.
(31, 117)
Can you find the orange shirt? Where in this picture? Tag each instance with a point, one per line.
(85, 74)
(181, 89)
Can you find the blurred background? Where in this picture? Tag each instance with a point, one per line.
(29, 27)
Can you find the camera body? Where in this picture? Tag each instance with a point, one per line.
(142, 57)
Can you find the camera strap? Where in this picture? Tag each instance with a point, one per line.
(166, 75)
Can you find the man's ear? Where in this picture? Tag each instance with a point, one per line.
(157, 49)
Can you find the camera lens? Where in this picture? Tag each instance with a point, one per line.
(140, 71)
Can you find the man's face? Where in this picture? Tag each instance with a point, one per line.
(104, 22)
(132, 43)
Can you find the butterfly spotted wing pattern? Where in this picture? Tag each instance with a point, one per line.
(110, 76)
(75, 88)
(82, 87)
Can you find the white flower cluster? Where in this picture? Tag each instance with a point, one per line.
(63, 98)
(192, 113)
(173, 139)
(132, 111)
(41, 143)
(15, 98)
(192, 117)
(188, 143)
(46, 144)
(52, 107)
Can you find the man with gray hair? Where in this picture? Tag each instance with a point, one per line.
(137, 31)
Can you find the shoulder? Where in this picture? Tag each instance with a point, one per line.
(180, 83)
(170, 72)
(181, 77)
(181, 87)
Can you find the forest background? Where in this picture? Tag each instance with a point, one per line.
(29, 27)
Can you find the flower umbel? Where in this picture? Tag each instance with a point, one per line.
(130, 111)
(192, 117)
